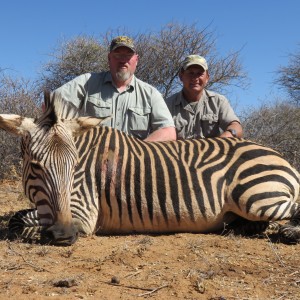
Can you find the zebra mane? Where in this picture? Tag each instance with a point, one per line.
(57, 108)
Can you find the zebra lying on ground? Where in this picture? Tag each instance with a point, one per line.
(87, 179)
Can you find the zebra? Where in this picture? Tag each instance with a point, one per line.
(84, 179)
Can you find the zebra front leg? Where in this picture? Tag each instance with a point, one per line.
(25, 225)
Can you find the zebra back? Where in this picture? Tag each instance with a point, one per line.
(175, 185)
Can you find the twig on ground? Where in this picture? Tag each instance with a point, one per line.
(294, 273)
(132, 274)
(127, 286)
(274, 250)
(153, 290)
(37, 268)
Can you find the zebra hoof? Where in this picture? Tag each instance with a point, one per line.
(289, 234)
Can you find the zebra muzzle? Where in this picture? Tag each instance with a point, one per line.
(63, 232)
(62, 235)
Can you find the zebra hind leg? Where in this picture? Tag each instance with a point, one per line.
(290, 232)
(24, 225)
(244, 227)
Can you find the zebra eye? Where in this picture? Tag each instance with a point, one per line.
(35, 164)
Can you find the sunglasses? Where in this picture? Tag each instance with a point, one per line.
(121, 56)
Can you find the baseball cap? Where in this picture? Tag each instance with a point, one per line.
(122, 41)
(194, 60)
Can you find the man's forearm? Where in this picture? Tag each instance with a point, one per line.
(162, 134)
(237, 129)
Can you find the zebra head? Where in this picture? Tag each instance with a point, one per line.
(49, 161)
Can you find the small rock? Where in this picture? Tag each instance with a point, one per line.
(115, 280)
(68, 282)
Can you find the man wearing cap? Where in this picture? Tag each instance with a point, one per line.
(136, 107)
(198, 112)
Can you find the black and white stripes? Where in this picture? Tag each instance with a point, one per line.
(87, 178)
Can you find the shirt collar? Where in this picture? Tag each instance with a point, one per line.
(108, 78)
(205, 97)
(180, 100)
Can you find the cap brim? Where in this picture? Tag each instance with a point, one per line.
(122, 45)
(195, 64)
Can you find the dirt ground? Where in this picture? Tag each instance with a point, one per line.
(177, 266)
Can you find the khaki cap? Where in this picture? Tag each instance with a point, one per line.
(194, 60)
(122, 41)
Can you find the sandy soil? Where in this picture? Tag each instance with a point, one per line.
(177, 266)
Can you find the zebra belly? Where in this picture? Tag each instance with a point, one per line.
(159, 224)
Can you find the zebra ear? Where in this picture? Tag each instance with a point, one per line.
(16, 124)
(82, 124)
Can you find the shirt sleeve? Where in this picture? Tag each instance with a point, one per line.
(74, 91)
(226, 113)
(160, 114)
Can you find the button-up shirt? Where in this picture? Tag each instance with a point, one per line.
(138, 110)
(208, 117)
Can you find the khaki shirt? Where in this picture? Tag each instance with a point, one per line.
(138, 111)
(208, 118)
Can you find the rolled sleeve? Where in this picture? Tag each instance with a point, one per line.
(74, 91)
(227, 114)
(149, 96)
(160, 115)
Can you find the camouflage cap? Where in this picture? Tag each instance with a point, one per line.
(194, 60)
(122, 41)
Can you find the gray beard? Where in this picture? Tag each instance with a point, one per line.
(123, 75)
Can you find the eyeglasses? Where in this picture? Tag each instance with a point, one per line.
(122, 56)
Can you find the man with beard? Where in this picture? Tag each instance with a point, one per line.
(136, 107)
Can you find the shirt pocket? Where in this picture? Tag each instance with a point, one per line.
(96, 107)
(181, 126)
(210, 118)
(210, 125)
(138, 121)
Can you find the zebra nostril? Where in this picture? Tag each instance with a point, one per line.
(66, 241)
(62, 235)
